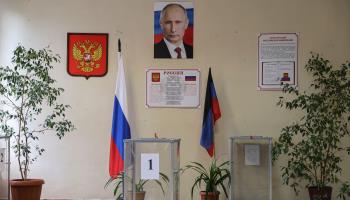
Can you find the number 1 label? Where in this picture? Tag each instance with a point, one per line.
(149, 166)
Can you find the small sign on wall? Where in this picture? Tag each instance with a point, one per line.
(149, 166)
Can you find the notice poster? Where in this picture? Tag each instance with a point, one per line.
(178, 88)
(278, 58)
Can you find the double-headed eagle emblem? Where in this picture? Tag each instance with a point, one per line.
(87, 54)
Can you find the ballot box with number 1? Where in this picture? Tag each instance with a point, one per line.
(154, 165)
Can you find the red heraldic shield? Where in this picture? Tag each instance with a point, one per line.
(87, 54)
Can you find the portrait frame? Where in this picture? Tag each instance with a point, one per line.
(161, 51)
(87, 54)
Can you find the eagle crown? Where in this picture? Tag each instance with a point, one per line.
(87, 46)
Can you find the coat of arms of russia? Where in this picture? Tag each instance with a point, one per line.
(87, 54)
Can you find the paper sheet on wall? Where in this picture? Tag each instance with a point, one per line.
(278, 60)
(176, 88)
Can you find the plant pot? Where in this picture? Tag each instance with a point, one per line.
(209, 195)
(323, 193)
(138, 195)
(29, 189)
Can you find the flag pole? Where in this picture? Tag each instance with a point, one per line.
(119, 46)
(123, 172)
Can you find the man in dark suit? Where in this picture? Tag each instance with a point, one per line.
(174, 22)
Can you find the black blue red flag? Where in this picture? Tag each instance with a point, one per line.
(211, 114)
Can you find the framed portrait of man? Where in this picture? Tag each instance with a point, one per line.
(173, 30)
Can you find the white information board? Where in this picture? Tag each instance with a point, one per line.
(172, 88)
(278, 59)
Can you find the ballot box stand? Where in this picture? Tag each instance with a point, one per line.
(144, 160)
(251, 165)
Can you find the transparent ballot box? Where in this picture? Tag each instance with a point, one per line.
(251, 165)
(154, 165)
(4, 167)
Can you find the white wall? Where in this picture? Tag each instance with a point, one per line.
(225, 39)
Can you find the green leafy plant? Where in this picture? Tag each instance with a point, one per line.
(27, 95)
(215, 176)
(139, 185)
(313, 145)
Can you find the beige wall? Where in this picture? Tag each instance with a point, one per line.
(225, 37)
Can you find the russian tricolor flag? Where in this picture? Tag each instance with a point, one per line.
(211, 114)
(120, 125)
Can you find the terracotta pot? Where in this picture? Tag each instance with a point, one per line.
(210, 195)
(138, 195)
(323, 193)
(29, 189)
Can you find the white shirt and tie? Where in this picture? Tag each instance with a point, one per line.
(176, 51)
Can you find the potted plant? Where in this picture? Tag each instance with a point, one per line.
(139, 186)
(29, 108)
(313, 145)
(214, 177)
